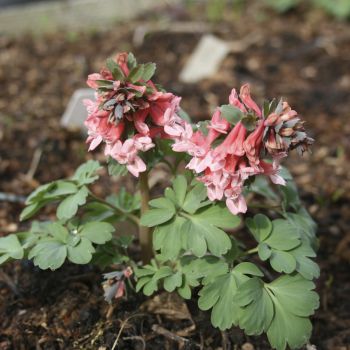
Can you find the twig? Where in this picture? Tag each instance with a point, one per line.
(7, 280)
(110, 311)
(124, 323)
(11, 197)
(34, 164)
(172, 336)
(225, 341)
(137, 337)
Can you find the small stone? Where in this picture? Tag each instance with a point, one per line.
(205, 60)
(75, 114)
(247, 346)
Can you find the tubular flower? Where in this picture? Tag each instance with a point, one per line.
(114, 284)
(240, 146)
(128, 111)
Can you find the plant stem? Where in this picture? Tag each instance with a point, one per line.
(145, 232)
(130, 216)
(252, 251)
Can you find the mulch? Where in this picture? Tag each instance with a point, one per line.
(303, 56)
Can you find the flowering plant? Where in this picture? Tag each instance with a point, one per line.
(198, 237)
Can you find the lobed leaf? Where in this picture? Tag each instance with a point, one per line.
(69, 206)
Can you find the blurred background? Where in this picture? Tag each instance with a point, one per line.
(298, 49)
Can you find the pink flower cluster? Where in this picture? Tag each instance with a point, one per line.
(224, 167)
(127, 114)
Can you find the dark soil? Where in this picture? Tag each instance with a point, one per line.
(303, 56)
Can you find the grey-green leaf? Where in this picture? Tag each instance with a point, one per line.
(69, 206)
(97, 232)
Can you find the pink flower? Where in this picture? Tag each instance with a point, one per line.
(244, 94)
(218, 123)
(235, 101)
(233, 143)
(236, 204)
(126, 153)
(252, 145)
(136, 106)
(92, 80)
(225, 165)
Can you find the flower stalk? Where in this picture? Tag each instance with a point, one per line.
(145, 232)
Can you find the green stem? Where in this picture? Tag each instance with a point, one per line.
(145, 232)
(252, 251)
(118, 211)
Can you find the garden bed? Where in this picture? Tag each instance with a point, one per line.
(295, 57)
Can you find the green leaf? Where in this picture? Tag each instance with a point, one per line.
(220, 295)
(279, 308)
(218, 215)
(304, 265)
(69, 206)
(249, 121)
(264, 251)
(61, 188)
(141, 283)
(104, 84)
(48, 253)
(30, 210)
(293, 301)
(97, 232)
(37, 194)
(283, 236)
(81, 253)
(51, 191)
(164, 212)
(185, 291)
(136, 73)
(150, 278)
(285, 249)
(303, 225)
(10, 247)
(86, 173)
(116, 169)
(27, 239)
(170, 194)
(194, 198)
(232, 114)
(167, 238)
(257, 313)
(206, 268)
(282, 261)
(46, 194)
(290, 195)
(125, 201)
(131, 61)
(180, 189)
(108, 254)
(148, 71)
(262, 186)
(162, 203)
(58, 231)
(248, 268)
(172, 282)
(114, 68)
(260, 226)
(201, 236)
